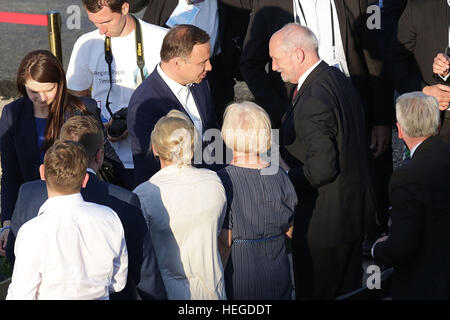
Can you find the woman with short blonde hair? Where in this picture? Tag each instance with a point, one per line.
(172, 140)
(184, 208)
(246, 128)
(260, 210)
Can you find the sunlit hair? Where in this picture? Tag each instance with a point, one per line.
(418, 114)
(65, 165)
(173, 139)
(95, 6)
(42, 66)
(294, 35)
(246, 128)
(87, 131)
(180, 41)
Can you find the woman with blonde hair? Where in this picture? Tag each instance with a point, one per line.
(184, 208)
(260, 210)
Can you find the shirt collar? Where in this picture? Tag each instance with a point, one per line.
(415, 148)
(60, 202)
(303, 77)
(91, 171)
(172, 84)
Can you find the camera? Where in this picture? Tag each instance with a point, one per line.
(119, 123)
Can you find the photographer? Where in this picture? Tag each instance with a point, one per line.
(113, 61)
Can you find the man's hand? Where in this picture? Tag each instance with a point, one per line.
(441, 92)
(123, 136)
(381, 139)
(441, 65)
(4, 238)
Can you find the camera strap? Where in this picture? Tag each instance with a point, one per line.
(139, 58)
(333, 39)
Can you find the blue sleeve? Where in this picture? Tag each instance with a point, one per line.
(143, 113)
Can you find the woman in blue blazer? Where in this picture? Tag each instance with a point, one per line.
(30, 125)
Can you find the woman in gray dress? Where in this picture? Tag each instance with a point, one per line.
(261, 202)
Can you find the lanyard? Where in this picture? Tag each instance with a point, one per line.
(297, 20)
(139, 58)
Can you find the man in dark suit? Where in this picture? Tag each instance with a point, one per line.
(325, 150)
(268, 16)
(345, 41)
(413, 49)
(233, 17)
(143, 270)
(177, 83)
(418, 245)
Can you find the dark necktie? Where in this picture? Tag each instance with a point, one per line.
(295, 93)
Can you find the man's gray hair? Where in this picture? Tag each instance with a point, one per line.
(418, 114)
(295, 35)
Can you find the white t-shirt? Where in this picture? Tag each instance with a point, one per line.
(88, 68)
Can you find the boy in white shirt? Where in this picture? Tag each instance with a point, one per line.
(73, 249)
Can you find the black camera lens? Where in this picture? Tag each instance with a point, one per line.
(119, 123)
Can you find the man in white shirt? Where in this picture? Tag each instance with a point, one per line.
(113, 86)
(73, 249)
(177, 83)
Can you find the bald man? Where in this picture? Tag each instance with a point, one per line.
(324, 145)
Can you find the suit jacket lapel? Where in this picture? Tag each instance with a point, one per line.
(166, 94)
(197, 91)
(311, 77)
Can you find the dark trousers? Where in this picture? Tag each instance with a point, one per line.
(326, 273)
(337, 270)
(381, 169)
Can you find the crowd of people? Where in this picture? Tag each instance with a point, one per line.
(138, 174)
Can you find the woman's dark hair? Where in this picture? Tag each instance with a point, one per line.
(42, 66)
